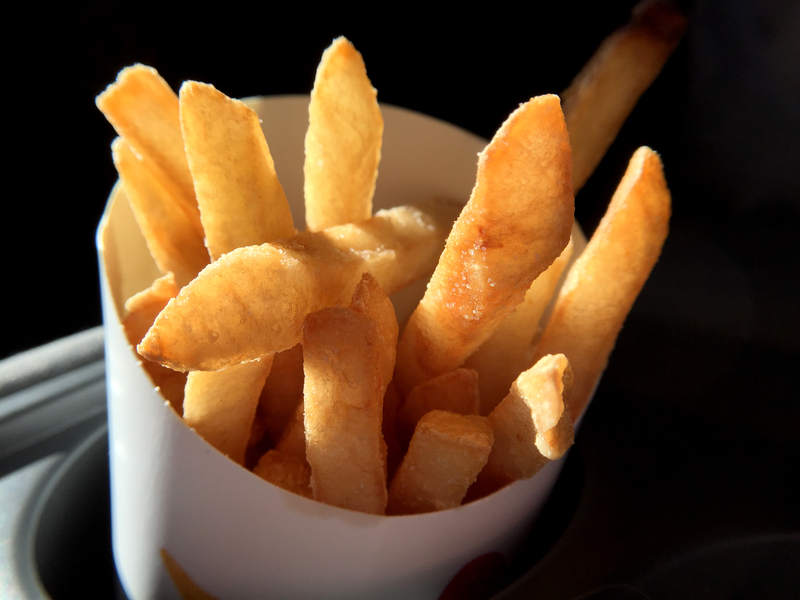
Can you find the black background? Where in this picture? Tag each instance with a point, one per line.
(705, 370)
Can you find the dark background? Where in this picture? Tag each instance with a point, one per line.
(705, 370)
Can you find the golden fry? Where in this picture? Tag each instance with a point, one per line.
(343, 399)
(531, 425)
(516, 223)
(141, 310)
(604, 282)
(605, 91)
(456, 392)
(172, 239)
(144, 110)
(507, 353)
(220, 405)
(343, 142)
(241, 200)
(283, 390)
(252, 301)
(445, 456)
(286, 471)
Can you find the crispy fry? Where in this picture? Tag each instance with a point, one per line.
(508, 352)
(252, 301)
(457, 392)
(445, 456)
(241, 200)
(220, 406)
(293, 439)
(343, 398)
(283, 390)
(372, 301)
(604, 282)
(286, 471)
(516, 223)
(172, 239)
(605, 91)
(141, 310)
(144, 110)
(531, 425)
(343, 142)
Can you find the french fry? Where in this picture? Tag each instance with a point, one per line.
(343, 401)
(444, 458)
(507, 353)
(516, 223)
(241, 200)
(283, 390)
(605, 91)
(220, 406)
(293, 439)
(144, 111)
(343, 142)
(286, 471)
(171, 237)
(531, 425)
(603, 283)
(252, 301)
(141, 310)
(456, 392)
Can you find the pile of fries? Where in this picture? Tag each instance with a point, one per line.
(282, 349)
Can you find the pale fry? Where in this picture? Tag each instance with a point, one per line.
(144, 110)
(223, 405)
(399, 245)
(531, 425)
(252, 301)
(516, 223)
(141, 310)
(172, 239)
(604, 282)
(289, 472)
(343, 399)
(283, 390)
(507, 353)
(456, 392)
(343, 142)
(444, 458)
(605, 91)
(241, 200)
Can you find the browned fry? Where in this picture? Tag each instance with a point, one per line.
(220, 406)
(445, 456)
(252, 301)
(604, 282)
(531, 425)
(605, 91)
(241, 200)
(173, 240)
(286, 471)
(516, 223)
(343, 142)
(456, 392)
(343, 398)
(283, 390)
(394, 452)
(141, 310)
(508, 352)
(144, 110)
(293, 439)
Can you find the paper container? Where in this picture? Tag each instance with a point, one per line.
(233, 534)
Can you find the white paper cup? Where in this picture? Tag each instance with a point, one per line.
(232, 533)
